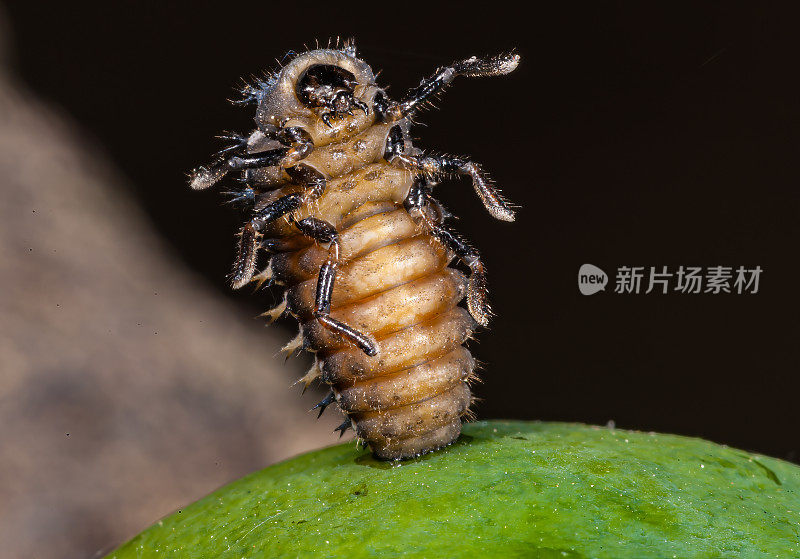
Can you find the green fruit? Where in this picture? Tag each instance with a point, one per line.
(505, 489)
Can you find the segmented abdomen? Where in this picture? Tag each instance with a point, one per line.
(331, 160)
(394, 283)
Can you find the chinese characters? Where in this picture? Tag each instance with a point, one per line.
(688, 279)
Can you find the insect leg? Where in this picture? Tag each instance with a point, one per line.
(391, 111)
(324, 232)
(447, 165)
(477, 290)
(204, 177)
(416, 203)
(299, 146)
(249, 237)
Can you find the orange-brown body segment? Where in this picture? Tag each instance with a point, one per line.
(342, 201)
(394, 283)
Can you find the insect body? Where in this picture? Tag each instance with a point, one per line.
(341, 200)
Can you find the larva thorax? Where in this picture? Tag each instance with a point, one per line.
(341, 200)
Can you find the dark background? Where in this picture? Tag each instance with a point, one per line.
(630, 135)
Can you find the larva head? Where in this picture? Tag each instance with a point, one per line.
(323, 84)
(327, 86)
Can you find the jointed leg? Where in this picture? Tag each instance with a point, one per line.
(477, 290)
(299, 146)
(417, 204)
(324, 232)
(446, 165)
(249, 237)
(391, 111)
(244, 266)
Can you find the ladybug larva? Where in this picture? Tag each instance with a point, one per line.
(342, 202)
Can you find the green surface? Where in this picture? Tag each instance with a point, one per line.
(506, 489)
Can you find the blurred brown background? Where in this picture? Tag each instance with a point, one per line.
(129, 386)
(134, 381)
